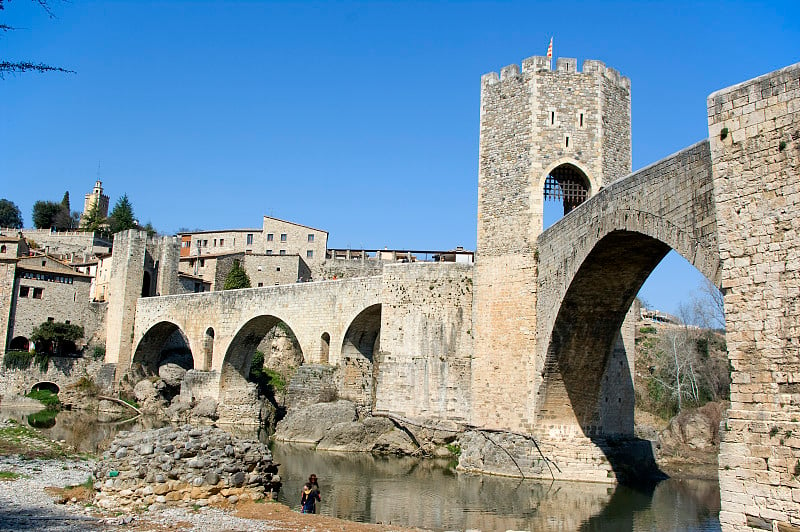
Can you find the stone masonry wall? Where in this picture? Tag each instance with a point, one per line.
(754, 132)
(426, 341)
(7, 276)
(124, 288)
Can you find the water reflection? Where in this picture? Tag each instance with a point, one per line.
(414, 492)
(425, 493)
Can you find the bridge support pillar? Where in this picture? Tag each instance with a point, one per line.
(754, 132)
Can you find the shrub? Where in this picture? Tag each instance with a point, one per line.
(99, 352)
(18, 359)
(46, 397)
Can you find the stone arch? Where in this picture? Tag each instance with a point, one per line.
(161, 341)
(585, 330)
(324, 348)
(46, 385)
(358, 364)
(566, 183)
(208, 348)
(239, 355)
(19, 343)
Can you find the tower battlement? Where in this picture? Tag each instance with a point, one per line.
(540, 63)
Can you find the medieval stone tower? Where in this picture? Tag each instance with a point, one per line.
(544, 135)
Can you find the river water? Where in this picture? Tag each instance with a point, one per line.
(428, 494)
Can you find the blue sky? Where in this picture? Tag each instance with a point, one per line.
(358, 118)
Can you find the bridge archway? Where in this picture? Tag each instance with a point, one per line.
(360, 344)
(239, 355)
(164, 340)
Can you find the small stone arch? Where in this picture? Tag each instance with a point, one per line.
(164, 340)
(208, 348)
(46, 385)
(568, 183)
(19, 343)
(358, 362)
(324, 348)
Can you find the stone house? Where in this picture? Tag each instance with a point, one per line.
(276, 237)
(263, 270)
(45, 289)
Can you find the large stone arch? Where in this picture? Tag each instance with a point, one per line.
(357, 363)
(239, 354)
(160, 341)
(586, 328)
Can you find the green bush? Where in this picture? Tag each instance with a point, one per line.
(18, 359)
(99, 352)
(46, 397)
(648, 329)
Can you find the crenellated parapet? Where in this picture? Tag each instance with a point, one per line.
(567, 65)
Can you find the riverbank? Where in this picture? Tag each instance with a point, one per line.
(44, 485)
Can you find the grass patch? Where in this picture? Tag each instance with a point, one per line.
(46, 397)
(9, 475)
(29, 443)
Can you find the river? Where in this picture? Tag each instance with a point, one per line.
(428, 494)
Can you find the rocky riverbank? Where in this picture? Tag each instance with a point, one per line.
(57, 492)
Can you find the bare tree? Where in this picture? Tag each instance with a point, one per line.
(14, 67)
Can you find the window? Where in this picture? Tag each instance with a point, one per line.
(215, 242)
(202, 263)
(44, 263)
(269, 252)
(310, 254)
(283, 237)
(221, 242)
(50, 320)
(23, 291)
(2, 249)
(205, 243)
(260, 284)
(269, 237)
(277, 270)
(37, 293)
(310, 237)
(250, 239)
(283, 252)
(199, 243)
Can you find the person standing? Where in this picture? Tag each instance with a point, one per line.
(308, 499)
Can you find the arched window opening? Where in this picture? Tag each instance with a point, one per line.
(565, 188)
(325, 347)
(208, 348)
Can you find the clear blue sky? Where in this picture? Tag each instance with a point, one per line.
(358, 118)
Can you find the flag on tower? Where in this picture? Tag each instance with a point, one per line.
(550, 50)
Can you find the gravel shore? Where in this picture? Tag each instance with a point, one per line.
(25, 505)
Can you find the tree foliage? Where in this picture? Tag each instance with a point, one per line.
(49, 215)
(10, 215)
(15, 67)
(237, 278)
(92, 220)
(56, 333)
(121, 217)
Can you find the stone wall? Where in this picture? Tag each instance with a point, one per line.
(77, 243)
(754, 132)
(426, 350)
(8, 271)
(347, 269)
(59, 302)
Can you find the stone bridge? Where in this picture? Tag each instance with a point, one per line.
(335, 322)
(528, 340)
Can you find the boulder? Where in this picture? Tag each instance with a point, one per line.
(697, 428)
(144, 390)
(172, 374)
(310, 424)
(394, 442)
(206, 407)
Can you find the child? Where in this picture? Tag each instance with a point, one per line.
(308, 499)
